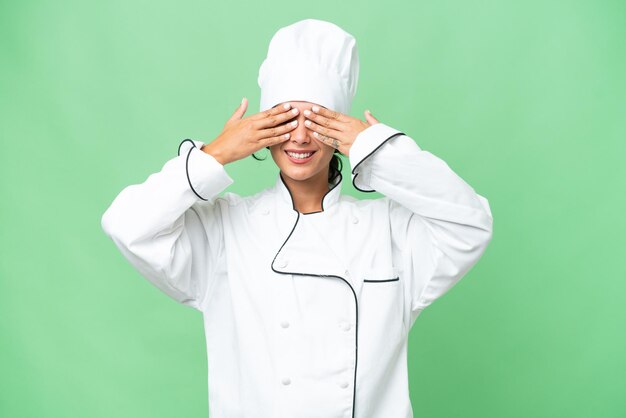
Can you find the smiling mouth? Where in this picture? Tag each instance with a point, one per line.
(300, 155)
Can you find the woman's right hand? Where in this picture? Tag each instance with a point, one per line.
(244, 136)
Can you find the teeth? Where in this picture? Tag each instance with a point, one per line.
(300, 156)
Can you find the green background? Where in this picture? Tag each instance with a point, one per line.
(525, 100)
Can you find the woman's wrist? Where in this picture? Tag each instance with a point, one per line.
(215, 152)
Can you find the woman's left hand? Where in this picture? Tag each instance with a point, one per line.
(336, 129)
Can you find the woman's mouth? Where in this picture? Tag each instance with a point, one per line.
(300, 157)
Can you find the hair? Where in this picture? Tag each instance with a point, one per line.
(334, 167)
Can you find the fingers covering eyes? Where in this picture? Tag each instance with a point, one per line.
(277, 130)
(272, 120)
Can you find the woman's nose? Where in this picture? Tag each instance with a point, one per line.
(300, 134)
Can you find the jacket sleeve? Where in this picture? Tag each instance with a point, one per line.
(439, 225)
(169, 227)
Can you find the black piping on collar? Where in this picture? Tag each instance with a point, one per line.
(187, 165)
(366, 157)
(356, 302)
(293, 203)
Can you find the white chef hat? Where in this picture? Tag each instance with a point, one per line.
(311, 61)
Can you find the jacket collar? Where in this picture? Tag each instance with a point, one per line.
(330, 198)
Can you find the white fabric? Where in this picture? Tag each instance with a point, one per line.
(286, 296)
(313, 61)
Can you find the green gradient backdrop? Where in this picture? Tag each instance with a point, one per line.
(525, 100)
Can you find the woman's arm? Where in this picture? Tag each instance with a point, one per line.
(169, 226)
(439, 224)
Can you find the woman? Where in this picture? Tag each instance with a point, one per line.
(307, 295)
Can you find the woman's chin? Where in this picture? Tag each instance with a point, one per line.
(302, 173)
(297, 174)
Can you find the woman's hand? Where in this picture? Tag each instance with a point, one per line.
(244, 136)
(336, 129)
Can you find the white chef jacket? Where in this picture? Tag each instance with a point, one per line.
(306, 315)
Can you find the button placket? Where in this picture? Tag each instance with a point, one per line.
(283, 335)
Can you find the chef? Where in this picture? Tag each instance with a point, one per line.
(307, 295)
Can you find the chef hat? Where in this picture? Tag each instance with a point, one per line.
(311, 61)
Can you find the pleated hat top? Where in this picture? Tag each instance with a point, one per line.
(312, 61)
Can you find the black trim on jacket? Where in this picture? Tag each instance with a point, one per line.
(187, 165)
(395, 279)
(366, 157)
(183, 141)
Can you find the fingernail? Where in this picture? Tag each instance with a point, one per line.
(294, 123)
(294, 110)
(286, 106)
(307, 123)
(316, 109)
(287, 135)
(242, 100)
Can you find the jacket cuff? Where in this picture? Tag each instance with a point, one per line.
(186, 144)
(367, 143)
(205, 175)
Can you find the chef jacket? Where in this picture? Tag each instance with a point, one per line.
(306, 315)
